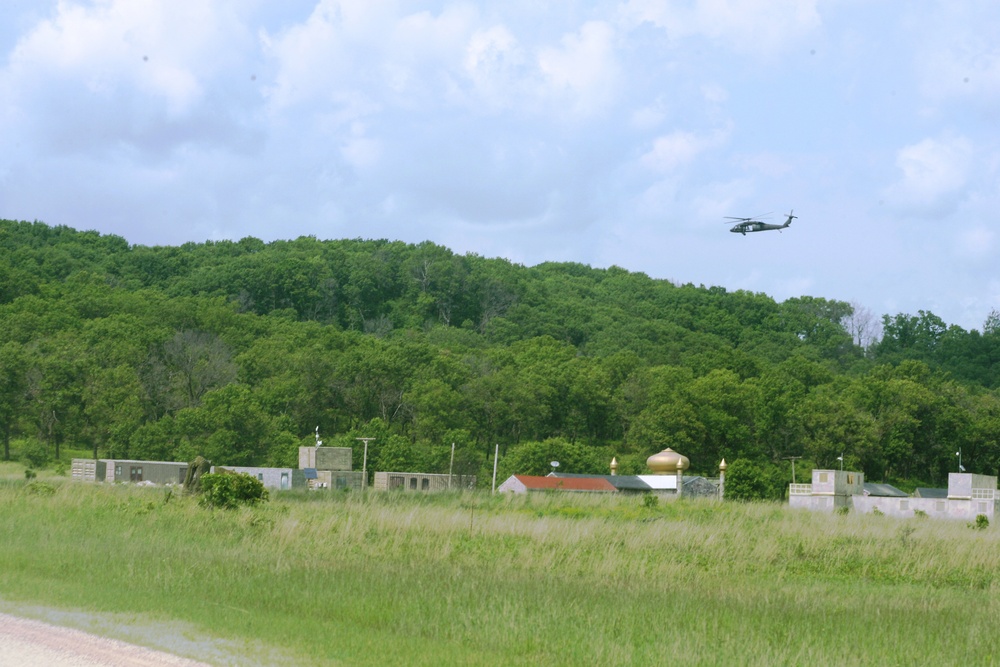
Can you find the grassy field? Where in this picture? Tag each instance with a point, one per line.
(327, 579)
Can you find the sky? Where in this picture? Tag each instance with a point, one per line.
(605, 133)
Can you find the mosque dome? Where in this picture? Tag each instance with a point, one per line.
(667, 461)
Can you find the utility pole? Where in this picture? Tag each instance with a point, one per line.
(496, 455)
(793, 459)
(364, 463)
(451, 467)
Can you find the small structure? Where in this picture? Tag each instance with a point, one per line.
(337, 480)
(968, 495)
(330, 468)
(830, 489)
(576, 483)
(152, 472)
(88, 470)
(419, 481)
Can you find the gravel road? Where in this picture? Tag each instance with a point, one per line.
(28, 643)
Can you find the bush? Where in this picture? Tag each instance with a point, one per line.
(981, 523)
(39, 488)
(34, 453)
(230, 490)
(649, 501)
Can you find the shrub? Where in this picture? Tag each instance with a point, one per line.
(920, 514)
(981, 523)
(843, 509)
(34, 453)
(230, 490)
(650, 501)
(39, 488)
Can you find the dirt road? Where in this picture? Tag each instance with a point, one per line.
(28, 643)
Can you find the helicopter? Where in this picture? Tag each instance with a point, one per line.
(755, 225)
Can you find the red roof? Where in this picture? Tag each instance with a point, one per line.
(565, 483)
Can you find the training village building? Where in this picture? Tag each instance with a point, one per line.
(667, 479)
(968, 495)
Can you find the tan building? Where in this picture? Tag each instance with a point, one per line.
(418, 481)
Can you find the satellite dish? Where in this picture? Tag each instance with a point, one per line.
(554, 464)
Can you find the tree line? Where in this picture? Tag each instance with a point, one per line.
(237, 350)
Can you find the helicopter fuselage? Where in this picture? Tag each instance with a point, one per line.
(750, 225)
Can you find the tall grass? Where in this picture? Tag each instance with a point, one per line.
(477, 580)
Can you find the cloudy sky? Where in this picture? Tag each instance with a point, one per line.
(615, 132)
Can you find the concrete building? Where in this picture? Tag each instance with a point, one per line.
(830, 489)
(280, 479)
(330, 468)
(335, 480)
(126, 470)
(418, 481)
(967, 496)
(326, 458)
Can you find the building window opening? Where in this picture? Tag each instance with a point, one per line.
(413, 483)
(425, 484)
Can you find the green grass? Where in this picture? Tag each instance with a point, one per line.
(325, 579)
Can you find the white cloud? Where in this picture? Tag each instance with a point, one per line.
(131, 44)
(754, 26)
(679, 148)
(934, 173)
(497, 66)
(583, 69)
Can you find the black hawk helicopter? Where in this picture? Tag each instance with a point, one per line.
(755, 225)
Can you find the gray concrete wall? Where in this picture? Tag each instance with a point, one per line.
(272, 478)
(326, 458)
(938, 508)
(337, 480)
(157, 472)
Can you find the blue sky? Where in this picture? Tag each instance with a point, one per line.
(607, 133)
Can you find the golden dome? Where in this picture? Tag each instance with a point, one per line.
(723, 466)
(667, 461)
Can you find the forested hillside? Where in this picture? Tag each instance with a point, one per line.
(238, 350)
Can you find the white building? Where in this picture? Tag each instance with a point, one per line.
(968, 496)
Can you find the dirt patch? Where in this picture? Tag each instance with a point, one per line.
(28, 642)
(45, 636)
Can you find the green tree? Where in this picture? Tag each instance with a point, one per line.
(13, 389)
(748, 480)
